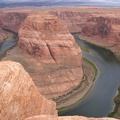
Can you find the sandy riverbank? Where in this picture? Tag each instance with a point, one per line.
(75, 96)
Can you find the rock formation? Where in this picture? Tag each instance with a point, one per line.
(97, 26)
(49, 54)
(100, 26)
(104, 31)
(73, 19)
(44, 36)
(19, 97)
(12, 20)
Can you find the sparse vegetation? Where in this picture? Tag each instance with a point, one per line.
(86, 79)
(93, 65)
(117, 104)
(83, 48)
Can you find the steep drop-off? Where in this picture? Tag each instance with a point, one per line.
(19, 97)
(49, 54)
(12, 19)
(98, 25)
(103, 31)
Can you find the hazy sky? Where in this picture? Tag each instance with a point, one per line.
(108, 1)
(115, 2)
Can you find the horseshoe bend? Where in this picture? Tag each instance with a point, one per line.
(43, 69)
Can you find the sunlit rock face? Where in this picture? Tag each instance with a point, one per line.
(19, 97)
(98, 25)
(46, 39)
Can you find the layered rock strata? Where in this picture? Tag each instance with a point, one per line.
(98, 25)
(74, 20)
(49, 53)
(19, 97)
(11, 20)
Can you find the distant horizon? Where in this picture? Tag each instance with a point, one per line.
(104, 3)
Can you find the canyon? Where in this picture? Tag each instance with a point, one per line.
(21, 100)
(19, 96)
(97, 25)
(48, 52)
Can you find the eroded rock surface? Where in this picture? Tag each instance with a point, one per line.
(19, 97)
(49, 54)
(104, 31)
(11, 20)
(98, 25)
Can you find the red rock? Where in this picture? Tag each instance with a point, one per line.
(19, 97)
(98, 25)
(12, 20)
(49, 54)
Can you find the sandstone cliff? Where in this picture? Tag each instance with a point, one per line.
(73, 19)
(11, 20)
(103, 30)
(19, 97)
(49, 54)
(98, 25)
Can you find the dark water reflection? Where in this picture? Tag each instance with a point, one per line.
(7, 45)
(99, 102)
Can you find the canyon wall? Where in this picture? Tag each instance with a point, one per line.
(49, 54)
(74, 20)
(21, 100)
(103, 31)
(19, 97)
(98, 25)
(11, 20)
(44, 37)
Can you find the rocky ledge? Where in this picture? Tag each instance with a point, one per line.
(19, 97)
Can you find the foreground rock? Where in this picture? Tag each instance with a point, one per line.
(49, 54)
(45, 117)
(19, 97)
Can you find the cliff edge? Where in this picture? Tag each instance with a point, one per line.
(19, 97)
